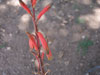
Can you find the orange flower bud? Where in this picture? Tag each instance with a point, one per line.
(49, 56)
(43, 11)
(32, 42)
(25, 6)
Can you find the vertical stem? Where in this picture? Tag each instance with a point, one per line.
(38, 44)
(41, 62)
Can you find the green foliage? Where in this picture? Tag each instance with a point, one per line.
(84, 45)
(3, 45)
(80, 20)
(76, 6)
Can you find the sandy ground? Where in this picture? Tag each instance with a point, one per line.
(63, 32)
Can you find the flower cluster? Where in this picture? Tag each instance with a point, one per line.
(36, 40)
(33, 44)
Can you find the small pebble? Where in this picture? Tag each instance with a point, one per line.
(53, 7)
(3, 30)
(76, 10)
(84, 57)
(62, 24)
(56, 69)
(32, 60)
(72, 1)
(65, 0)
(27, 67)
(61, 69)
(81, 64)
(61, 13)
(10, 34)
(63, 32)
(4, 73)
(3, 34)
(83, 37)
(67, 63)
(96, 36)
(61, 54)
(77, 68)
(97, 41)
(49, 42)
(87, 74)
(8, 48)
(64, 21)
(17, 32)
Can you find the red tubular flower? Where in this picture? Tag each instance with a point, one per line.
(45, 45)
(32, 42)
(31, 45)
(43, 11)
(25, 6)
(33, 3)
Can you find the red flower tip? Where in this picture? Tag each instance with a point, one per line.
(32, 42)
(43, 11)
(33, 3)
(25, 6)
